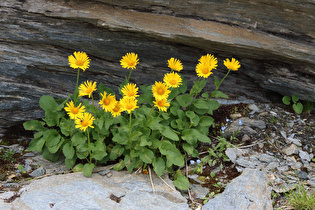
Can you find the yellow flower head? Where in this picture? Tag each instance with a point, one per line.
(204, 70)
(116, 111)
(160, 90)
(85, 121)
(87, 88)
(74, 111)
(129, 104)
(175, 64)
(79, 60)
(161, 104)
(130, 90)
(213, 62)
(108, 102)
(233, 65)
(129, 61)
(172, 80)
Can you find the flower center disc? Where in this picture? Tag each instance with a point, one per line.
(84, 123)
(129, 106)
(131, 63)
(205, 71)
(116, 109)
(79, 62)
(161, 103)
(160, 91)
(131, 93)
(88, 90)
(106, 101)
(173, 82)
(75, 110)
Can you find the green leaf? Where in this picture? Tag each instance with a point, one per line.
(48, 103)
(173, 155)
(181, 181)
(78, 168)
(52, 137)
(216, 81)
(55, 148)
(121, 138)
(82, 151)
(188, 148)
(184, 100)
(213, 105)
(183, 87)
(169, 133)
(128, 163)
(197, 87)
(298, 108)
(34, 125)
(78, 138)
(53, 157)
(70, 162)
(295, 98)
(201, 104)
(286, 100)
(218, 94)
(189, 135)
(145, 141)
(154, 123)
(37, 144)
(68, 150)
(65, 126)
(116, 152)
(147, 155)
(98, 150)
(159, 166)
(146, 96)
(51, 118)
(119, 166)
(88, 169)
(194, 119)
(206, 121)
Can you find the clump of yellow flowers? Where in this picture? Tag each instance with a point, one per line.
(146, 126)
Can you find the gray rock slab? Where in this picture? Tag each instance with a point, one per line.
(248, 191)
(120, 191)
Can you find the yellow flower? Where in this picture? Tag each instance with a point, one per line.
(213, 62)
(204, 70)
(85, 121)
(129, 61)
(172, 80)
(160, 90)
(116, 111)
(128, 104)
(175, 64)
(79, 60)
(87, 88)
(130, 90)
(161, 104)
(232, 65)
(108, 102)
(74, 111)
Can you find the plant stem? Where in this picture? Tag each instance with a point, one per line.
(76, 92)
(216, 89)
(129, 76)
(89, 145)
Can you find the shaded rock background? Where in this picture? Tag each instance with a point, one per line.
(274, 42)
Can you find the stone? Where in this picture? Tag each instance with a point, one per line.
(267, 158)
(302, 175)
(305, 156)
(276, 49)
(249, 191)
(234, 153)
(296, 165)
(292, 149)
(38, 172)
(121, 191)
(254, 107)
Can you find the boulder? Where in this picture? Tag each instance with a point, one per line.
(274, 42)
(119, 191)
(249, 191)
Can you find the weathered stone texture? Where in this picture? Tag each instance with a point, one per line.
(274, 42)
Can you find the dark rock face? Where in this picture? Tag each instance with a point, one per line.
(274, 43)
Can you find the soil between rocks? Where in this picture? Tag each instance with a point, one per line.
(280, 120)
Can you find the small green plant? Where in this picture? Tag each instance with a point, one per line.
(7, 155)
(216, 155)
(300, 198)
(297, 105)
(156, 128)
(21, 168)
